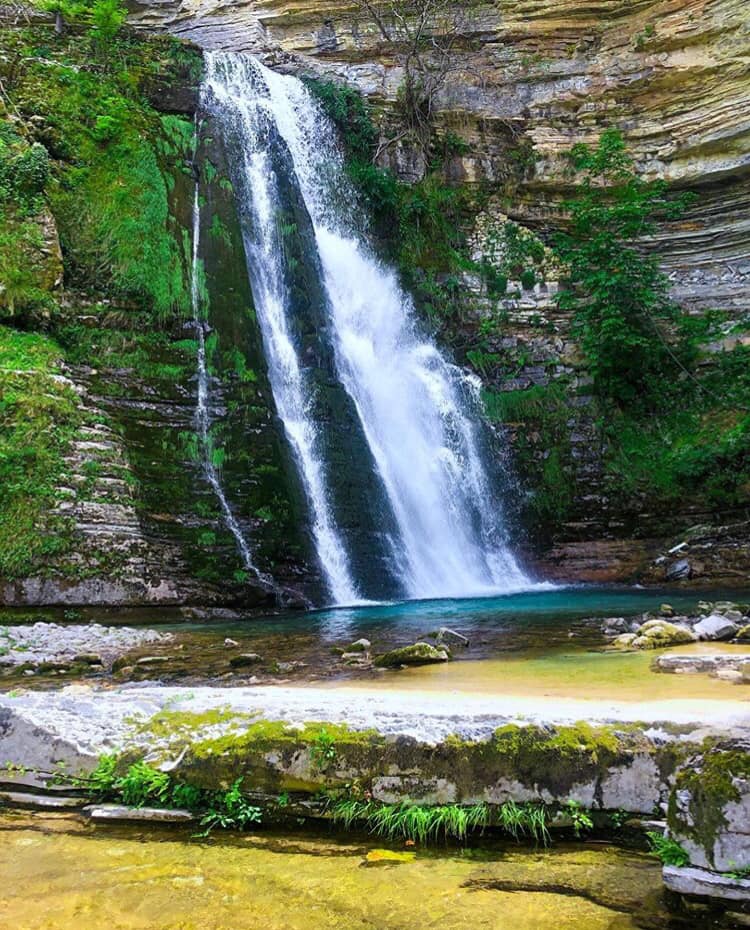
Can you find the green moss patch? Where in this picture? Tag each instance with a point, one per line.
(39, 417)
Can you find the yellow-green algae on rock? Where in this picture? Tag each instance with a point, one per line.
(58, 874)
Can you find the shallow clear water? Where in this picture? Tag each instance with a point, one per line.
(551, 607)
(538, 644)
(58, 873)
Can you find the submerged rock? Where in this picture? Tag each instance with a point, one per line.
(43, 644)
(149, 814)
(245, 659)
(710, 664)
(418, 654)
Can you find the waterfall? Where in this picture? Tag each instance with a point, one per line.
(202, 409)
(440, 518)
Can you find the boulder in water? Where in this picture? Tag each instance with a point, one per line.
(655, 634)
(715, 626)
(418, 654)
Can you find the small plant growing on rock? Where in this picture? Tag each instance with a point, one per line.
(323, 751)
(581, 819)
(618, 819)
(142, 784)
(101, 782)
(230, 811)
(668, 850)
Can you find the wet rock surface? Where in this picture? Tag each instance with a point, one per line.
(418, 654)
(52, 646)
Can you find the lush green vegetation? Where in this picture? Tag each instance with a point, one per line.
(82, 153)
(39, 417)
(86, 141)
(668, 850)
(619, 297)
(140, 784)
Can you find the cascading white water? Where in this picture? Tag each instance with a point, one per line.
(229, 83)
(414, 407)
(202, 409)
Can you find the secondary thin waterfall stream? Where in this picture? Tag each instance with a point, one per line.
(202, 408)
(437, 522)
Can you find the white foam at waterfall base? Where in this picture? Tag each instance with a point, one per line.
(417, 410)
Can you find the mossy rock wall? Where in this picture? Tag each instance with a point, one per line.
(599, 767)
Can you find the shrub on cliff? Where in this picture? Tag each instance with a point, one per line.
(619, 295)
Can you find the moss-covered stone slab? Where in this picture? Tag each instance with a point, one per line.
(417, 654)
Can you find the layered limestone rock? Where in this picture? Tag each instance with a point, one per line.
(671, 75)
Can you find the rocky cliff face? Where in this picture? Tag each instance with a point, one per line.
(104, 499)
(531, 79)
(672, 75)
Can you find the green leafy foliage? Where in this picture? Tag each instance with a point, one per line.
(107, 18)
(668, 850)
(101, 781)
(616, 289)
(230, 811)
(141, 784)
(323, 751)
(582, 822)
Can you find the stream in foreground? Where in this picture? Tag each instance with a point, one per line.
(81, 876)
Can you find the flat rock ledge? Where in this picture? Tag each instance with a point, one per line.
(708, 887)
(731, 667)
(122, 813)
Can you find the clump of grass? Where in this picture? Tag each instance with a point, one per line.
(429, 824)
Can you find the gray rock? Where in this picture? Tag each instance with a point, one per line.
(40, 801)
(290, 666)
(57, 645)
(678, 570)
(708, 664)
(715, 626)
(102, 812)
(614, 625)
(709, 809)
(359, 645)
(705, 884)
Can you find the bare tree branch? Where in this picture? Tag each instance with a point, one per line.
(425, 36)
